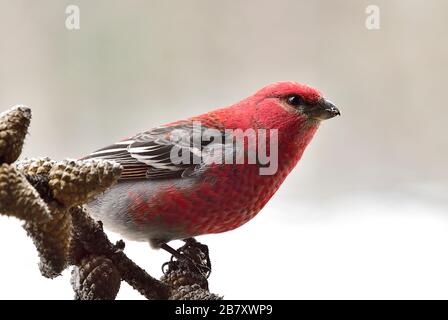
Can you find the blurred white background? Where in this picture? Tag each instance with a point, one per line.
(364, 215)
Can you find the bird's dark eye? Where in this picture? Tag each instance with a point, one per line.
(294, 100)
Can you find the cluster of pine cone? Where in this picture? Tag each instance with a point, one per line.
(49, 195)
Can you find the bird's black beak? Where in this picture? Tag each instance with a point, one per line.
(324, 109)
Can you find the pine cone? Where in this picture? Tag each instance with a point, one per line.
(13, 129)
(193, 292)
(18, 198)
(178, 278)
(76, 182)
(96, 278)
(52, 240)
(35, 166)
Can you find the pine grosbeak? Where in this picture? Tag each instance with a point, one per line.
(158, 199)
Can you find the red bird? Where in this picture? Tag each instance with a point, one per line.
(159, 199)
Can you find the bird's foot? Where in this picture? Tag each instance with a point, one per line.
(193, 256)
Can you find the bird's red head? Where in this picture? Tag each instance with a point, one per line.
(284, 89)
(299, 98)
(281, 105)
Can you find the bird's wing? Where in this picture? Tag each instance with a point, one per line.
(148, 155)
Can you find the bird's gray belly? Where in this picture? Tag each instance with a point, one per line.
(112, 209)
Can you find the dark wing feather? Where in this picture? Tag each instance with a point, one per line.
(147, 155)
